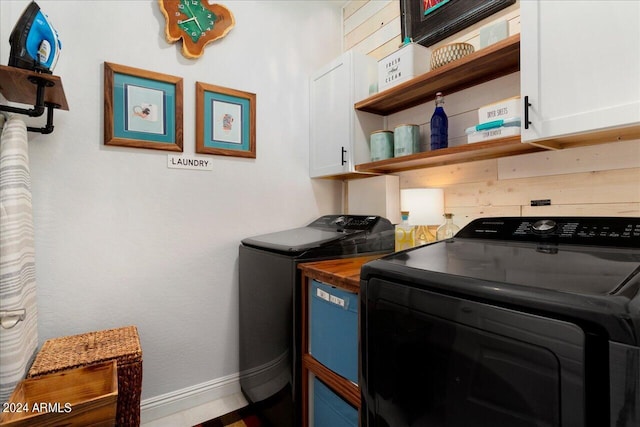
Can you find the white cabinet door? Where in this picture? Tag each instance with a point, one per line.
(339, 134)
(580, 66)
(330, 119)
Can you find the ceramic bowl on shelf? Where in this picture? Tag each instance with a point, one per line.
(449, 53)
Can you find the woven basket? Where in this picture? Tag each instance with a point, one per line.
(449, 53)
(122, 345)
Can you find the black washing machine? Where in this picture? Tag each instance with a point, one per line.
(516, 322)
(270, 323)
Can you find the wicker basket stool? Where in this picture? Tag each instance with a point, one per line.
(121, 344)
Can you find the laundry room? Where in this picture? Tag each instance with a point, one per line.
(155, 218)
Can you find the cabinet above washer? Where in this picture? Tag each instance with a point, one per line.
(339, 134)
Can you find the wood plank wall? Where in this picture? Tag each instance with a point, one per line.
(595, 180)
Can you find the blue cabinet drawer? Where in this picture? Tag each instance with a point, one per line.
(329, 410)
(333, 324)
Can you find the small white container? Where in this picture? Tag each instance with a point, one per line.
(507, 108)
(409, 61)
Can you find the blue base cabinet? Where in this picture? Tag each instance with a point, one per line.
(330, 394)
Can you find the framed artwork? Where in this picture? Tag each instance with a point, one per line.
(429, 21)
(225, 121)
(142, 108)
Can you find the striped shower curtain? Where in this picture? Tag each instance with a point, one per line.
(18, 340)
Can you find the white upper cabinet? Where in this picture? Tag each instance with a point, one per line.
(339, 134)
(580, 66)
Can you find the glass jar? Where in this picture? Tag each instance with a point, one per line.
(448, 229)
(405, 233)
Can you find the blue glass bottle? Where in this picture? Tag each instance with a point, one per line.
(439, 125)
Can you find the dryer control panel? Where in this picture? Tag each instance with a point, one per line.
(593, 231)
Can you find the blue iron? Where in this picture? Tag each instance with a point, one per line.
(35, 44)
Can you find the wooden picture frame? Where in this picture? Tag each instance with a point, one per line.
(444, 18)
(225, 121)
(142, 109)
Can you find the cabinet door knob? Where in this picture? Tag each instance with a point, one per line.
(343, 159)
(527, 104)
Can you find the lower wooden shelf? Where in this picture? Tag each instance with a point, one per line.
(494, 149)
(345, 388)
(447, 156)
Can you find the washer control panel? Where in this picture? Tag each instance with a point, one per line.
(351, 223)
(544, 226)
(597, 231)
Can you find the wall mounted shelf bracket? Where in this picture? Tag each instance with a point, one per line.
(38, 108)
(43, 91)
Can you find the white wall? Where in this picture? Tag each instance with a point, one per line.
(121, 239)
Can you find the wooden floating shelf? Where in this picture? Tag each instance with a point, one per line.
(493, 149)
(16, 86)
(496, 60)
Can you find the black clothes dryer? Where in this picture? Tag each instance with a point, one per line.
(513, 322)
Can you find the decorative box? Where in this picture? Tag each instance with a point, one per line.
(505, 109)
(74, 398)
(409, 61)
(121, 345)
(495, 133)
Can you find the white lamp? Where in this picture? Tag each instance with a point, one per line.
(425, 206)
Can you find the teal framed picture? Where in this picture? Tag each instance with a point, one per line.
(142, 108)
(225, 121)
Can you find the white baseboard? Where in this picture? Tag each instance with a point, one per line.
(192, 405)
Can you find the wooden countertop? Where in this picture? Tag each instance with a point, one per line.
(343, 272)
